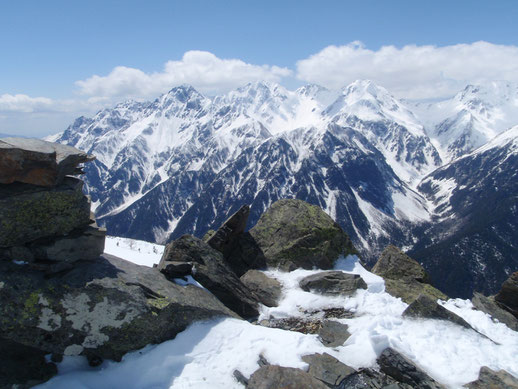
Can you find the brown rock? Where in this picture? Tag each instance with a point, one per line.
(507, 298)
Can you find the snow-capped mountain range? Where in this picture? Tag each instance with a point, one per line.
(184, 162)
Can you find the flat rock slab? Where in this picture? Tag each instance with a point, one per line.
(426, 308)
(327, 369)
(292, 234)
(28, 212)
(489, 306)
(405, 371)
(267, 289)
(276, 377)
(101, 309)
(333, 283)
(488, 378)
(38, 162)
(333, 333)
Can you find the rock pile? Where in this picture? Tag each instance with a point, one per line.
(45, 218)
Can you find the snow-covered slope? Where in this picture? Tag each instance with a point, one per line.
(206, 354)
(471, 118)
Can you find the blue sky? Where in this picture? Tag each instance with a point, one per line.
(51, 50)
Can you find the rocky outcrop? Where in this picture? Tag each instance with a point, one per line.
(488, 378)
(405, 371)
(507, 298)
(489, 306)
(267, 289)
(293, 233)
(404, 277)
(37, 162)
(275, 377)
(210, 269)
(426, 308)
(333, 283)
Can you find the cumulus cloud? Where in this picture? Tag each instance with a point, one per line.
(24, 103)
(201, 69)
(414, 72)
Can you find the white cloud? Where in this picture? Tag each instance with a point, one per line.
(415, 72)
(24, 103)
(201, 69)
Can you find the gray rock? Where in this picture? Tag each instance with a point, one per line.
(277, 377)
(239, 249)
(101, 309)
(507, 298)
(37, 162)
(327, 369)
(28, 212)
(333, 333)
(489, 306)
(488, 378)
(240, 378)
(426, 308)
(371, 379)
(297, 324)
(267, 289)
(210, 270)
(404, 277)
(405, 371)
(22, 366)
(333, 283)
(293, 233)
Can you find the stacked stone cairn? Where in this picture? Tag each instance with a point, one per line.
(45, 219)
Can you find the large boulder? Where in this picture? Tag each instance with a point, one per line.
(507, 298)
(100, 309)
(29, 212)
(405, 371)
(276, 377)
(491, 379)
(210, 270)
(239, 249)
(333, 283)
(267, 289)
(489, 306)
(37, 162)
(293, 233)
(404, 277)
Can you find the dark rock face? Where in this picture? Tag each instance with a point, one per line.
(333, 333)
(371, 379)
(327, 369)
(403, 370)
(295, 233)
(100, 309)
(210, 270)
(37, 162)
(28, 212)
(508, 295)
(489, 306)
(404, 277)
(426, 308)
(267, 289)
(276, 377)
(23, 366)
(232, 228)
(333, 283)
(488, 378)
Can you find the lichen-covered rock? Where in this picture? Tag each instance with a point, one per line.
(28, 212)
(327, 369)
(404, 277)
(333, 283)
(210, 270)
(37, 162)
(267, 289)
(490, 379)
(405, 371)
(507, 298)
(100, 309)
(276, 377)
(293, 233)
(489, 306)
